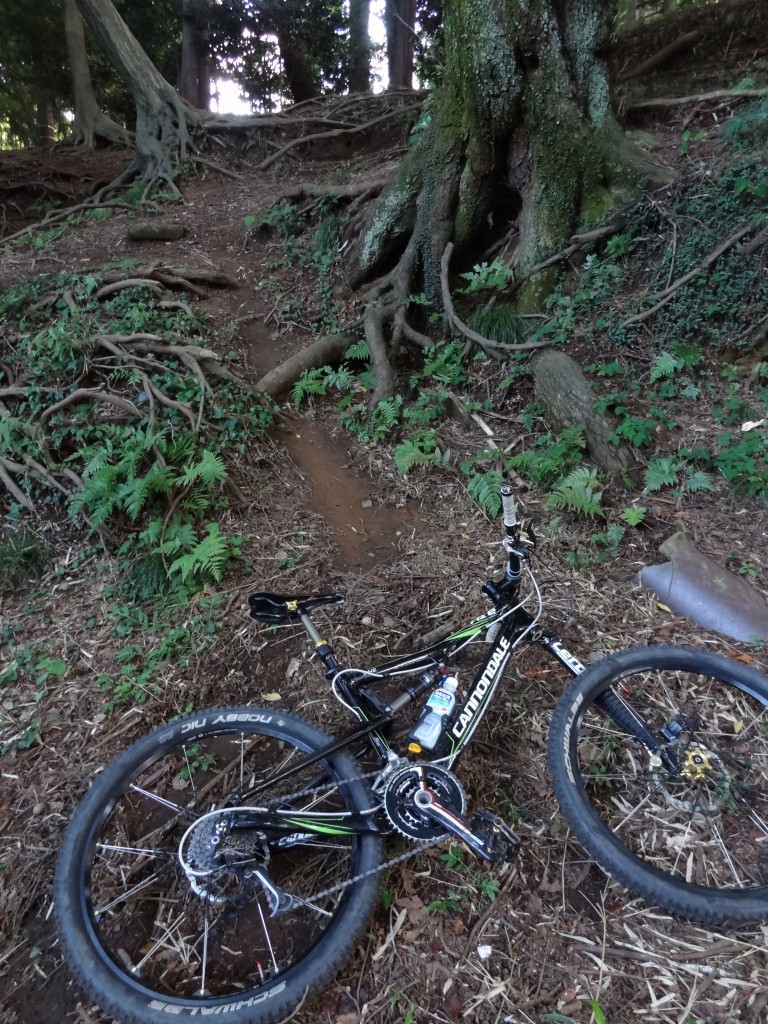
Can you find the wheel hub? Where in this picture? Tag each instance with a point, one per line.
(697, 764)
(220, 860)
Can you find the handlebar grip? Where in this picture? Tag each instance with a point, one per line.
(509, 505)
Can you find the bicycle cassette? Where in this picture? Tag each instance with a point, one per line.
(401, 809)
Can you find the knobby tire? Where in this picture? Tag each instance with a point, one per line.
(687, 829)
(151, 950)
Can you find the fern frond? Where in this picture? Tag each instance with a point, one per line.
(485, 488)
(410, 453)
(358, 350)
(209, 469)
(207, 559)
(579, 492)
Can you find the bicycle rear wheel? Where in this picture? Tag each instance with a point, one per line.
(147, 938)
(686, 826)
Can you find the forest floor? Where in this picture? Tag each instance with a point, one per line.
(322, 510)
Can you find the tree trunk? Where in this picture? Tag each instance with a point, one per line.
(400, 19)
(163, 118)
(523, 119)
(359, 46)
(91, 122)
(194, 79)
(44, 117)
(302, 79)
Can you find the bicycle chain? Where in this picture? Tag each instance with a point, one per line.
(340, 886)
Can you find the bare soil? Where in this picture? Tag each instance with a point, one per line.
(323, 511)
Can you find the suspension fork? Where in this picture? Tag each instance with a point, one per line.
(613, 704)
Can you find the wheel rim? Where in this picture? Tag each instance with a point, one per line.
(698, 810)
(215, 940)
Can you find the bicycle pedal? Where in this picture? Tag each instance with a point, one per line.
(499, 841)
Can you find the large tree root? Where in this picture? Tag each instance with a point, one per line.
(327, 350)
(568, 401)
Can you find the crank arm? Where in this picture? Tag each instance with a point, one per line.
(486, 835)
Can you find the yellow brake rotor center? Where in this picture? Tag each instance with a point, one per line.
(696, 765)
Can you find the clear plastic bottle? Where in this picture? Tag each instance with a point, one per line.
(428, 729)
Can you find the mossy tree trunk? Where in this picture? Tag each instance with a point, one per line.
(522, 121)
(163, 118)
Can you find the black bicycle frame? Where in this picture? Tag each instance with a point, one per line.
(514, 624)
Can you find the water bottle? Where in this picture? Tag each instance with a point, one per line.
(427, 731)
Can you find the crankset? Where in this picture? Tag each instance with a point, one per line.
(415, 803)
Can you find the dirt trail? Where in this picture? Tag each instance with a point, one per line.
(365, 529)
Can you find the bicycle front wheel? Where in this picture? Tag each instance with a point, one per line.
(684, 825)
(163, 915)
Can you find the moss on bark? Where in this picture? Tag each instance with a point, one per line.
(524, 109)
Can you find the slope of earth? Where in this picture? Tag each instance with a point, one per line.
(322, 510)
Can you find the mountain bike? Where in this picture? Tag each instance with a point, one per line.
(228, 862)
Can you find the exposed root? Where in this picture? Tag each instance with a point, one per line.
(494, 348)
(327, 350)
(374, 320)
(399, 110)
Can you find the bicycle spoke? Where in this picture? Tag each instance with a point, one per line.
(181, 904)
(267, 939)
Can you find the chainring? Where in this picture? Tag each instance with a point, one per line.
(401, 810)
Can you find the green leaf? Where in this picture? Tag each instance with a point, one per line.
(665, 365)
(597, 1012)
(698, 480)
(485, 488)
(662, 472)
(578, 492)
(634, 516)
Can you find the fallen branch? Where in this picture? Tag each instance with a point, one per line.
(306, 190)
(664, 102)
(156, 232)
(493, 348)
(678, 46)
(668, 293)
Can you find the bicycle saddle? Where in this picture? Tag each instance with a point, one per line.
(273, 608)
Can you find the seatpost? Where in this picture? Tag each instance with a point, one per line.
(511, 533)
(323, 649)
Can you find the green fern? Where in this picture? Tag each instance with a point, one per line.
(416, 451)
(551, 458)
(209, 469)
(666, 365)
(358, 350)
(635, 515)
(579, 492)
(698, 480)
(662, 472)
(311, 382)
(485, 488)
(207, 558)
